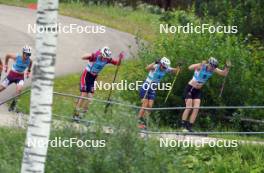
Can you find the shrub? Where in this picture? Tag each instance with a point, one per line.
(244, 84)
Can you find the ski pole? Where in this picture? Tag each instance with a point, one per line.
(228, 64)
(121, 55)
(222, 87)
(174, 80)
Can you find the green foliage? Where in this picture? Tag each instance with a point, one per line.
(125, 151)
(22, 3)
(244, 84)
(247, 15)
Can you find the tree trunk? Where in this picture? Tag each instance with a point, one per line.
(42, 87)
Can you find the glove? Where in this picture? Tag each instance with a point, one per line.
(157, 61)
(5, 68)
(179, 64)
(121, 56)
(27, 74)
(228, 64)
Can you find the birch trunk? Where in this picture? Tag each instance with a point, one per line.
(42, 87)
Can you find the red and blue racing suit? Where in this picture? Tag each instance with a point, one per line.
(95, 65)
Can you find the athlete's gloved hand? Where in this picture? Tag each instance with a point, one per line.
(5, 68)
(157, 61)
(27, 74)
(180, 64)
(121, 57)
(228, 64)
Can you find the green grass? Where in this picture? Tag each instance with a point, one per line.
(134, 22)
(64, 106)
(137, 22)
(18, 3)
(237, 137)
(126, 152)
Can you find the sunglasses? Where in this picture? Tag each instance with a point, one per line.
(28, 54)
(213, 66)
(163, 66)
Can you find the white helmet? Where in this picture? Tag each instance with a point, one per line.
(27, 49)
(213, 62)
(106, 52)
(165, 62)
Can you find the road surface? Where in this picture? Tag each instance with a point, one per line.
(14, 22)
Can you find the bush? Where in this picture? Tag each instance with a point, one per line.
(244, 84)
(125, 151)
(247, 15)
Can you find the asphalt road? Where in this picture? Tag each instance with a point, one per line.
(14, 22)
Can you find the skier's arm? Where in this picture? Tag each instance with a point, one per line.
(175, 70)
(30, 65)
(151, 67)
(90, 57)
(117, 61)
(195, 66)
(9, 56)
(222, 72)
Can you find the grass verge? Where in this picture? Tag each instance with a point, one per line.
(125, 152)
